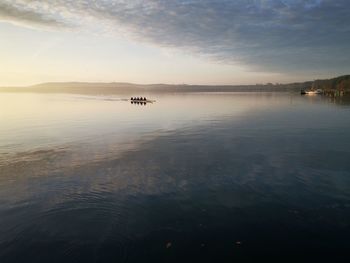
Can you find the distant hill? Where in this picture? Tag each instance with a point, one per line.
(342, 82)
(129, 88)
(339, 83)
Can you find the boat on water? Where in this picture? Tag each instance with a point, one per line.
(141, 100)
(145, 101)
(311, 92)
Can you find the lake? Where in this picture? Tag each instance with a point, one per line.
(193, 177)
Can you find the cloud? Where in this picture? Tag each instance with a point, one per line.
(20, 15)
(264, 35)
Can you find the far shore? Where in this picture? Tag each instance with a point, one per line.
(339, 84)
(126, 88)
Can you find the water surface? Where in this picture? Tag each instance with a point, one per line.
(213, 177)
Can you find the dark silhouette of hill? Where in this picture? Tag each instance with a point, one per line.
(339, 83)
(342, 82)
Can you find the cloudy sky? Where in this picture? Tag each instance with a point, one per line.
(173, 41)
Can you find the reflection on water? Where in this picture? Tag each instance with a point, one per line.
(192, 177)
(139, 103)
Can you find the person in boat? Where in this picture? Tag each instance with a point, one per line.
(131, 98)
(144, 98)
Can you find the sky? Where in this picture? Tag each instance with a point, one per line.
(173, 41)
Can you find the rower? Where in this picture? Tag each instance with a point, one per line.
(131, 98)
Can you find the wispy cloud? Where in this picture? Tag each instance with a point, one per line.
(265, 35)
(20, 14)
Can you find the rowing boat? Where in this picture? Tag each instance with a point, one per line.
(146, 101)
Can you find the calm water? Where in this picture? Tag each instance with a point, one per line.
(190, 178)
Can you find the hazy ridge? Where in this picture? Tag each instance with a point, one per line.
(342, 82)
